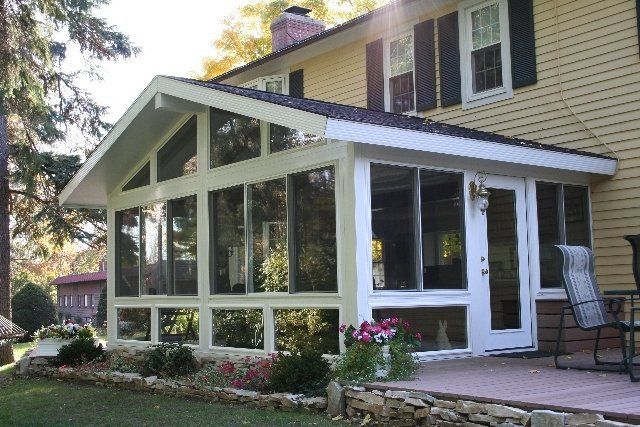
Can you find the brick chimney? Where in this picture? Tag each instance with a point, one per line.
(292, 26)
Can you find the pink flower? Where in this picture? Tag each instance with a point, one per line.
(418, 336)
(405, 324)
(354, 334)
(366, 337)
(343, 328)
(364, 325)
(394, 321)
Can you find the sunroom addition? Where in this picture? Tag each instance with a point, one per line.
(242, 221)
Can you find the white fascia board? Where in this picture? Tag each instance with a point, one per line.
(476, 149)
(121, 125)
(273, 113)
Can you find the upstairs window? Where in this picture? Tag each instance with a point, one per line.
(401, 90)
(234, 138)
(140, 179)
(485, 56)
(274, 84)
(178, 156)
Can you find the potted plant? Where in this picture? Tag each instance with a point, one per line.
(51, 338)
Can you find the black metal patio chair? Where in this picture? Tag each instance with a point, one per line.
(587, 304)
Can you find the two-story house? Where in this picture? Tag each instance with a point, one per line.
(420, 160)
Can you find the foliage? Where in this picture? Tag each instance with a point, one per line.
(273, 274)
(304, 372)
(32, 308)
(246, 34)
(381, 333)
(170, 360)
(79, 351)
(239, 328)
(404, 363)
(101, 314)
(249, 375)
(358, 363)
(69, 330)
(121, 364)
(305, 329)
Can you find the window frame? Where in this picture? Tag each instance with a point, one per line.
(261, 83)
(469, 98)
(386, 66)
(239, 306)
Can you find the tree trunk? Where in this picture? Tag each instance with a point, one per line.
(6, 350)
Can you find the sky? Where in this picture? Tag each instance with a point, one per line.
(174, 37)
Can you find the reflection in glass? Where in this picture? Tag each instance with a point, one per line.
(238, 328)
(267, 222)
(298, 329)
(134, 324)
(442, 328)
(504, 280)
(228, 242)
(314, 222)
(576, 215)
(549, 233)
(179, 325)
(233, 138)
(442, 230)
(154, 246)
(178, 156)
(140, 179)
(128, 279)
(392, 222)
(184, 213)
(283, 138)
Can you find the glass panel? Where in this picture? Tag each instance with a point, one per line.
(576, 216)
(549, 234)
(283, 138)
(233, 138)
(402, 93)
(487, 68)
(154, 246)
(485, 26)
(134, 324)
(504, 280)
(442, 328)
(128, 282)
(178, 156)
(274, 86)
(179, 325)
(227, 228)
(140, 179)
(268, 257)
(401, 55)
(238, 328)
(184, 218)
(314, 222)
(443, 263)
(307, 328)
(392, 222)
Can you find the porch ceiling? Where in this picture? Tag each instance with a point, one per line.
(150, 117)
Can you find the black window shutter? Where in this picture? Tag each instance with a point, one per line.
(296, 84)
(375, 76)
(425, 65)
(449, 49)
(523, 43)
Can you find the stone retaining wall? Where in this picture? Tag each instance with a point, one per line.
(411, 408)
(39, 366)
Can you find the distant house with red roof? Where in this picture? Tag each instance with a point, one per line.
(78, 294)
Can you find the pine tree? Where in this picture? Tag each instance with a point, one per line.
(40, 103)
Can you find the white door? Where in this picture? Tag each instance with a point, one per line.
(504, 274)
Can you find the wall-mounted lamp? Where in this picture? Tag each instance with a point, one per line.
(479, 192)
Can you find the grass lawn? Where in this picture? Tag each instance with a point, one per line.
(40, 402)
(18, 350)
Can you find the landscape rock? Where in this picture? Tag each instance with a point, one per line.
(336, 405)
(582, 419)
(545, 418)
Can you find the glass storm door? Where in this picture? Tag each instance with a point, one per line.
(505, 272)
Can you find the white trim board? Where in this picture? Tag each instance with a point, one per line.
(470, 148)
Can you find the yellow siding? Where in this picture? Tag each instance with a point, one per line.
(600, 71)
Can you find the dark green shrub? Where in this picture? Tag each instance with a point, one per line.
(78, 352)
(359, 363)
(32, 308)
(170, 360)
(305, 372)
(101, 314)
(403, 362)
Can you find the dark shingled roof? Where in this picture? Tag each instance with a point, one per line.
(363, 115)
(312, 39)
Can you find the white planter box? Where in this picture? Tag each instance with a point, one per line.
(50, 346)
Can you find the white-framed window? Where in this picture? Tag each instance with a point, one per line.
(485, 57)
(87, 302)
(399, 73)
(278, 83)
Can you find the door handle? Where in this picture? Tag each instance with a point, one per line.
(484, 271)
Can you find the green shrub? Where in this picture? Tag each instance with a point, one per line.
(78, 352)
(170, 360)
(304, 372)
(101, 314)
(403, 362)
(359, 363)
(120, 364)
(32, 308)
